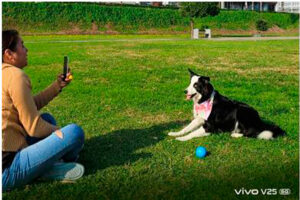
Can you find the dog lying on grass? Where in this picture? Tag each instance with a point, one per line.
(215, 113)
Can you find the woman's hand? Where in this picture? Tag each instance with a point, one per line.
(63, 83)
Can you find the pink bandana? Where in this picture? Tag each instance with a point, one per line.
(204, 109)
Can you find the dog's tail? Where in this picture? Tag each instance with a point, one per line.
(271, 131)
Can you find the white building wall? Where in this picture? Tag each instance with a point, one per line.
(290, 7)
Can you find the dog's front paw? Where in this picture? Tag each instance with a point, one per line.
(236, 135)
(174, 133)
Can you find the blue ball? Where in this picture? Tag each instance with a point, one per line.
(201, 152)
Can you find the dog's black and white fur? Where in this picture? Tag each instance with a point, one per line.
(226, 115)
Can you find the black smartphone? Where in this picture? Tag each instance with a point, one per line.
(66, 67)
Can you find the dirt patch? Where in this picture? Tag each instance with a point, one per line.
(94, 27)
(275, 30)
(171, 31)
(74, 30)
(233, 32)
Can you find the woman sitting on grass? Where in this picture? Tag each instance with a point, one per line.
(33, 146)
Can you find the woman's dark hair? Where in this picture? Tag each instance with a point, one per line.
(9, 40)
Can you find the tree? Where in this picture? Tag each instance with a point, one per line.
(194, 9)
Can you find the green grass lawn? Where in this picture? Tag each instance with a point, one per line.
(127, 95)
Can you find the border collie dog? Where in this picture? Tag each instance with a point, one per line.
(215, 113)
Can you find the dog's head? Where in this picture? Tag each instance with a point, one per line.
(200, 88)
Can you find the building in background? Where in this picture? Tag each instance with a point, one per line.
(287, 6)
(249, 5)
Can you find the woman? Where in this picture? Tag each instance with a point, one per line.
(32, 144)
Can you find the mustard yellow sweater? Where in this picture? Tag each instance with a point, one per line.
(20, 115)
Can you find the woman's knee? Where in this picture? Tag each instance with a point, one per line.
(74, 131)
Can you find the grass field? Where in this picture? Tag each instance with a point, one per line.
(128, 94)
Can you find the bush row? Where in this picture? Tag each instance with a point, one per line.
(62, 14)
(50, 17)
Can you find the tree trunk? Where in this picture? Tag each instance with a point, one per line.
(192, 28)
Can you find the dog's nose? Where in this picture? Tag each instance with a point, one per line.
(185, 91)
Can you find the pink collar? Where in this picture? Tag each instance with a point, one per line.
(204, 109)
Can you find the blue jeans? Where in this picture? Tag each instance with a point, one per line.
(34, 160)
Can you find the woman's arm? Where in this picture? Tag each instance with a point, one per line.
(44, 97)
(20, 93)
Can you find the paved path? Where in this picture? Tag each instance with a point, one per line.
(167, 39)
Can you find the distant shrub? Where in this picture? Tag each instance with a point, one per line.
(261, 25)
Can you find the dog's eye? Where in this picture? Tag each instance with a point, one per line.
(195, 85)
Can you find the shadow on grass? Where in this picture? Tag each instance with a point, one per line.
(118, 147)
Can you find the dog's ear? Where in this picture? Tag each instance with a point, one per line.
(192, 73)
(205, 78)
